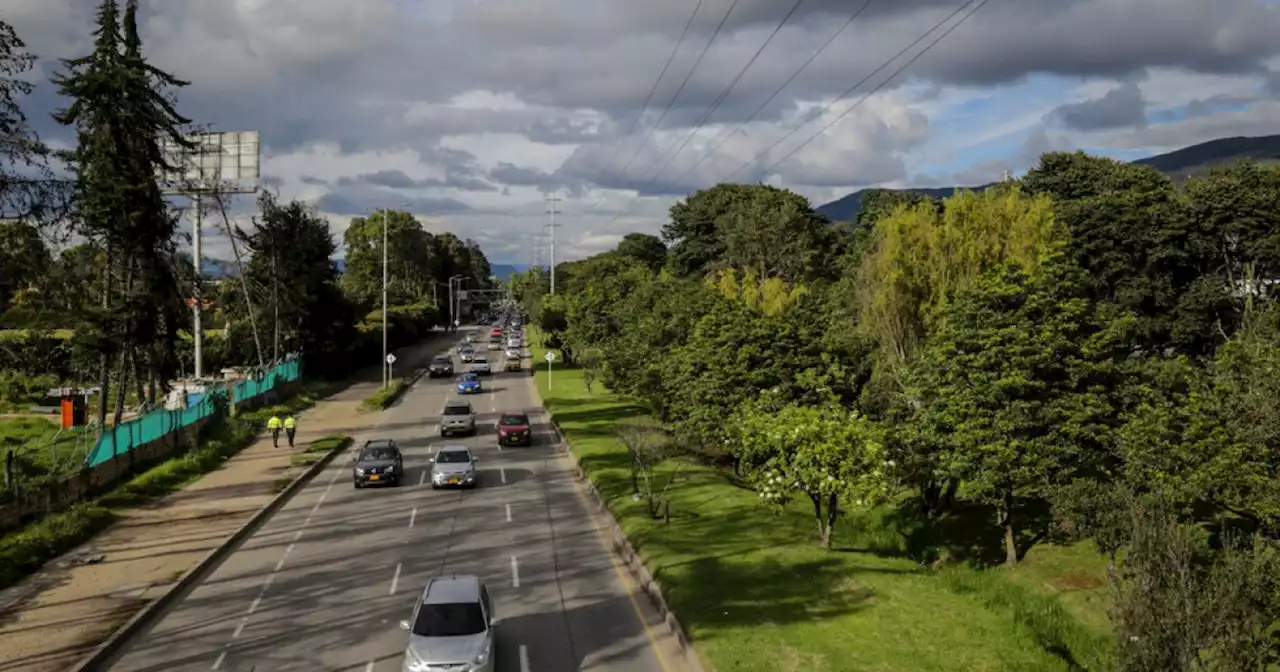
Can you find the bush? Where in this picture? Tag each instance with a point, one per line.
(385, 397)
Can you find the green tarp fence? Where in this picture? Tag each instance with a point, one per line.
(160, 422)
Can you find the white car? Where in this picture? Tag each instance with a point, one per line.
(480, 365)
(513, 353)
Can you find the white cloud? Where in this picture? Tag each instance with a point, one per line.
(469, 111)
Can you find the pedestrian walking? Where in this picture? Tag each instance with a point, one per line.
(290, 428)
(274, 424)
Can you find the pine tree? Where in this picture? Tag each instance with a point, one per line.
(121, 106)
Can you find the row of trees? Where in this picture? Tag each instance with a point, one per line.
(90, 266)
(1092, 340)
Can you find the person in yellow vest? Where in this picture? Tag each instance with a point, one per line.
(274, 425)
(290, 428)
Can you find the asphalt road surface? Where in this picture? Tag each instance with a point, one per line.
(325, 582)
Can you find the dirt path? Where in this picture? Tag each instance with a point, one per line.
(58, 615)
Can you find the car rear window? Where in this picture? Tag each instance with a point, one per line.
(449, 620)
(453, 456)
(377, 454)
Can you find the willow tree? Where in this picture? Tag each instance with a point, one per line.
(921, 257)
(770, 296)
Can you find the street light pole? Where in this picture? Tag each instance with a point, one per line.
(385, 276)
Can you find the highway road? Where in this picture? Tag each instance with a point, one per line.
(325, 582)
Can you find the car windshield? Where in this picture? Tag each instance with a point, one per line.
(469, 378)
(457, 410)
(441, 360)
(481, 360)
(514, 420)
(449, 620)
(380, 453)
(453, 456)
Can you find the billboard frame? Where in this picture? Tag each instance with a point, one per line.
(216, 162)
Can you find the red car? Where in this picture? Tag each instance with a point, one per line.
(495, 332)
(514, 430)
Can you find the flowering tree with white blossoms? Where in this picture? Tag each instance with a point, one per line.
(824, 452)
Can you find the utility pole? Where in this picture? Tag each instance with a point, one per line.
(385, 366)
(275, 302)
(552, 199)
(196, 326)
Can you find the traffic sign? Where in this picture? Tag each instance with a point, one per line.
(550, 357)
(391, 359)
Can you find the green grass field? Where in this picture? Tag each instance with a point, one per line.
(39, 440)
(756, 592)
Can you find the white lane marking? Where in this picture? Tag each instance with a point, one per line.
(262, 591)
(508, 513)
(369, 667)
(515, 573)
(423, 480)
(503, 473)
(524, 658)
(395, 580)
(280, 563)
(412, 515)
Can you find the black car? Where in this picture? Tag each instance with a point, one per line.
(378, 462)
(441, 367)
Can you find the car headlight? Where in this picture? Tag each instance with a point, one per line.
(391, 469)
(359, 471)
(484, 655)
(413, 662)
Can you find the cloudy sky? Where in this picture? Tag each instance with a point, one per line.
(467, 112)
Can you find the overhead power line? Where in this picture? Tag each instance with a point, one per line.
(725, 137)
(652, 90)
(724, 95)
(663, 116)
(856, 85)
(980, 4)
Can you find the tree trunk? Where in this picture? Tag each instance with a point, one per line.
(122, 379)
(930, 497)
(949, 497)
(1006, 521)
(126, 346)
(139, 382)
(104, 360)
(833, 510)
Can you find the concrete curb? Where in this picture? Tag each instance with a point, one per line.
(630, 558)
(106, 652)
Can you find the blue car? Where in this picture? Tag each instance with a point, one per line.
(469, 383)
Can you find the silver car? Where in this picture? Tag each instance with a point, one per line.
(466, 354)
(480, 365)
(453, 466)
(451, 628)
(458, 417)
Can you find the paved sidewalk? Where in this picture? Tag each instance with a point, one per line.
(58, 615)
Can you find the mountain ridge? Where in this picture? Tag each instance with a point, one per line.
(1178, 164)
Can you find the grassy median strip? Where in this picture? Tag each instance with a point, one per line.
(757, 594)
(25, 550)
(386, 396)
